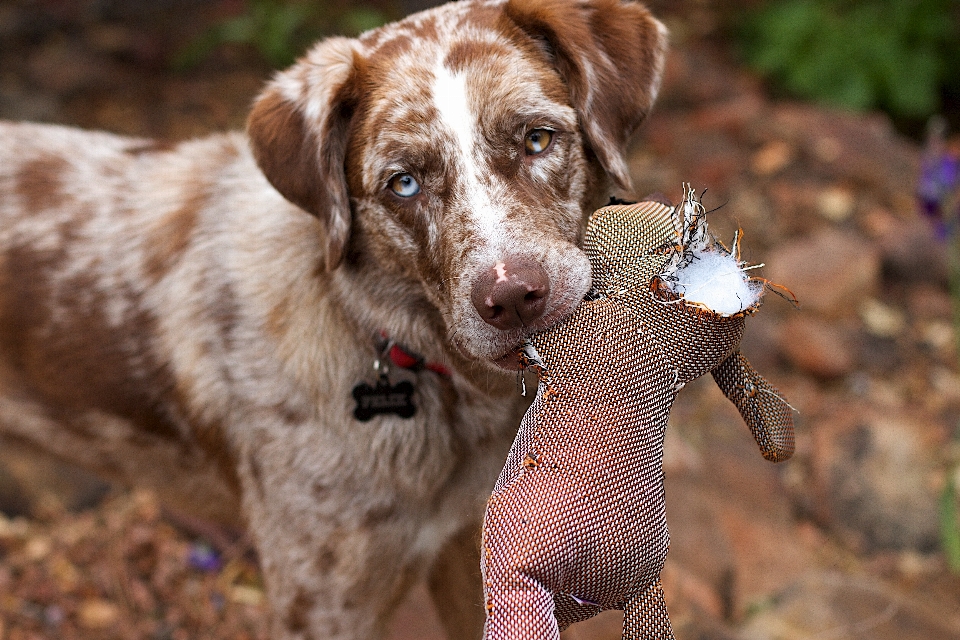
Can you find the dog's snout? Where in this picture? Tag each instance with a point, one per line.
(512, 294)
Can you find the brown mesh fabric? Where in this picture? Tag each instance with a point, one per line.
(761, 405)
(576, 523)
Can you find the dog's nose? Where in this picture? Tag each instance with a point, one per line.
(512, 294)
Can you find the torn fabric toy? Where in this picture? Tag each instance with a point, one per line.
(576, 523)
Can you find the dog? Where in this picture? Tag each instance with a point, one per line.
(246, 322)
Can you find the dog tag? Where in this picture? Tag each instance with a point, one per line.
(384, 398)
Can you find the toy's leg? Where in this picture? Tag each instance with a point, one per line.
(522, 612)
(568, 611)
(763, 408)
(645, 616)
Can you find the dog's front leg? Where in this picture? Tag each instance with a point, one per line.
(455, 585)
(333, 560)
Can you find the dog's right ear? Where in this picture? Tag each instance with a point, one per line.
(298, 131)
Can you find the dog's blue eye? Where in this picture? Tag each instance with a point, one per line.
(537, 141)
(404, 185)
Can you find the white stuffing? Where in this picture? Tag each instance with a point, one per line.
(702, 271)
(714, 279)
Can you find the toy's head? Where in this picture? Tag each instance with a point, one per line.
(689, 297)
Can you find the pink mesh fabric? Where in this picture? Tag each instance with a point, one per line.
(576, 522)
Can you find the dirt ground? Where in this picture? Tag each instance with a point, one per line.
(843, 541)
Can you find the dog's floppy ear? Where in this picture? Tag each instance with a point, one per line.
(611, 54)
(298, 132)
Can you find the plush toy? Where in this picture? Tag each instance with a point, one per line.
(576, 523)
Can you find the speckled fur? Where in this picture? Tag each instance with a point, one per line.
(170, 315)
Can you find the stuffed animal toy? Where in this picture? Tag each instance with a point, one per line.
(576, 523)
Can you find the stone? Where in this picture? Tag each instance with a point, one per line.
(29, 479)
(938, 336)
(827, 149)
(836, 204)
(912, 254)
(608, 625)
(12, 501)
(871, 154)
(772, 158)
(831, 604)
(63, 67)
(98, 614)
(926, 301)
(871, 472)
(730, 517)
(830, 271)
(816, 347)
(882, 320)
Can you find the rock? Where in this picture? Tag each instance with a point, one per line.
(63, 67)
(830, 272)
(946, 383)
(761, 340)
(731, 116)
(415, 619)
(12, 501)
(830, 604)
(18, 104)
(882, 320)
(817, 347)
(911, 253)
(98, 614)
(938, 336)
(730, 517)
(29, 480)
(877, 222)
(827, 149)
(836, 204)
(713, 161)
(772, 158)
(606, 626)
(859, 148)
(926, 301)
(880, 355)
(871, 474)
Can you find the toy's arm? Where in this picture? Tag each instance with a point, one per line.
(768, 415)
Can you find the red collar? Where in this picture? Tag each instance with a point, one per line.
(405, 359)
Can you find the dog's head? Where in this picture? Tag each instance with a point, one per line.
(461, 148)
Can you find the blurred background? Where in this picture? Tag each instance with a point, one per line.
(822, 128)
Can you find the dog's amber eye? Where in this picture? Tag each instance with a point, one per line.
(404, 185)
(537, 141)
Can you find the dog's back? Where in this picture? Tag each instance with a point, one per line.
(92, 226)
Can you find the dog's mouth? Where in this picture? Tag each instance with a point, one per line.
(503, 350)
(510, 361)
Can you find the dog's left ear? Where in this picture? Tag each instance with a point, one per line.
(611, 55)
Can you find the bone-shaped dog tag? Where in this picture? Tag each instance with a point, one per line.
(383, 399)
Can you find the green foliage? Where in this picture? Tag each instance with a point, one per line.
(897, 55)
(949, 516)
(281, 30)
(950, 524)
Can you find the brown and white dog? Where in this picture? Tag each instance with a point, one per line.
(195, 317)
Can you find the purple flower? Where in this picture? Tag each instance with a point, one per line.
(205, 558)
(939, 176)
(938, 186)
